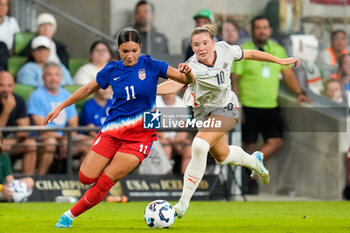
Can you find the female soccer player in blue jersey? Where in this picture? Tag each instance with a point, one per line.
(122, 142)
(212, 99)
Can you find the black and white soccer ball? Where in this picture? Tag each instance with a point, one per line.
(20, 191)
(159, 214)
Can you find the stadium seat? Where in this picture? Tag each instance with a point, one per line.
(24, 90)
(15, 63)
(21, 40)
(80, 104)
(75, 63)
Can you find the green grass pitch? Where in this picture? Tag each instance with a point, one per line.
(201, 217)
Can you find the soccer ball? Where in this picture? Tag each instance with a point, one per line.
(20, 191)
(159, 214)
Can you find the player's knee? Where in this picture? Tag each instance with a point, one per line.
(86, 180)
(200, 148)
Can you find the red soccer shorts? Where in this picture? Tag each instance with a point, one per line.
(108, 146)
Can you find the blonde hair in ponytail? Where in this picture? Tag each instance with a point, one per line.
(208, 28)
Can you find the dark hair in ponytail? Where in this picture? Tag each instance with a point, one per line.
(129, 34)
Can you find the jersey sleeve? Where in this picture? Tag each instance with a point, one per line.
(103, 77)
(158, 67)
(237, 52)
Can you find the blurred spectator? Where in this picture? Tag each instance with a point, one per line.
(144, 15)
(344, 71)
(333, 90)
(13, 113)
(229, 31)
(4, 56)
(8, 25)
(8, 28)
(40, 103)
(174, 143)
(258, 85)
(32, 72)
(157, 162)
(11, 189)
(203, 16)
(47, 26)
(100, 55)
(327, 60)
(95, 110)
(284, 16)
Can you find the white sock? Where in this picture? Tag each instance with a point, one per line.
(69, 215)
(239, 157)
(195, 169)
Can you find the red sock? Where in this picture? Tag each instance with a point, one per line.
(94, 195)
(86, 180)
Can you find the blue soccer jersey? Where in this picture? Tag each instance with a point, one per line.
(134, 92)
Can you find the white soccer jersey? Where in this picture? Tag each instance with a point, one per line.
(212, 87)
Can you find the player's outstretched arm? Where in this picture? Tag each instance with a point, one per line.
(169, 87)
(80, 94)
(182, 75)
(262, 56)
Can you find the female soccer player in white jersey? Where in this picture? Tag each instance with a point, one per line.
(211, 97)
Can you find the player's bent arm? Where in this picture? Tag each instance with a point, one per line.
(262, 56)
(80, 94)
(184, 76)
(169, 87)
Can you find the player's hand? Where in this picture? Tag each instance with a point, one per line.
(52, 115)
(290, 61)
(184, 68)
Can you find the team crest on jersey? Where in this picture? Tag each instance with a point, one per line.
(142, 74)
(225, 65)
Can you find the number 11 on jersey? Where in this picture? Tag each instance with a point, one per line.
(128, 93)
(143, 150)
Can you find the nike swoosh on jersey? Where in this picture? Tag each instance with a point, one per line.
(115, 79)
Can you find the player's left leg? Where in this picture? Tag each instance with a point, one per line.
(121, 165)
